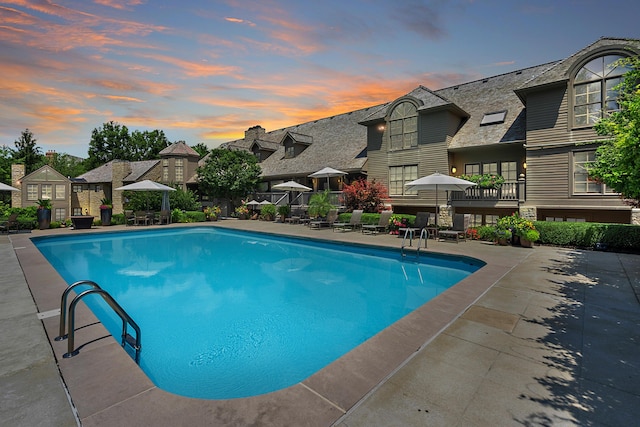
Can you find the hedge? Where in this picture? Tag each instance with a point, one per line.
(623, 237)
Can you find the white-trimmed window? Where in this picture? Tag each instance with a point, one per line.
(403, 126)
(593, 89)
(399, 176)
(46, 191)
(582, 184)
(61, 191)
(32, 192)
(59, 214)
(77, 188)
(179, 170)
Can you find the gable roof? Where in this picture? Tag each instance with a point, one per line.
(179, 148)
(338, 142)
(45, 173)
(558, 72)
(104, 173)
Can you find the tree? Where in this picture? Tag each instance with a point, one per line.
(113, 142)
(617, 162)
(68, 165)
(108, 143)
(27, 152)
(229, 174)
(147, 145)
(201, 149)
(366, 195)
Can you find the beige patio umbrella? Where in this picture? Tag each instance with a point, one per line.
(439, 182)
(5, 187)
(148, 185)
(327, 173)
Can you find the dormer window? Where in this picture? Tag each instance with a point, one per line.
(593, 89)
(403, 126)
(290, 152)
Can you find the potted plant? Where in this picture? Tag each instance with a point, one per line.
(44, 214)
(106, 210)
(268, 212)
(319, 204)
(529, 237)
(503, 236)
(283, 211)
(212, 212)
(242, 211)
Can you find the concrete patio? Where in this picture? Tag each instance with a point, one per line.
(543, 336)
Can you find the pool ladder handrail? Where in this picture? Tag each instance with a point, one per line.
(95, 289)
(424, 235)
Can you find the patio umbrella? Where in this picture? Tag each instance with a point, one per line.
(327, 173)
(439, 182)
(253, 204)
(291, 186)
(148, 185)
(5, 187)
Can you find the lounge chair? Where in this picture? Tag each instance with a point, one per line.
(421, 222)
(381, 226)
(331, 218)
(129, 217)
(459, 230)
(354, 222)
(10, 223)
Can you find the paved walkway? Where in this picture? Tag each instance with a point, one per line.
(552, 339)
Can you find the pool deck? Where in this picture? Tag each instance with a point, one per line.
(542, 336)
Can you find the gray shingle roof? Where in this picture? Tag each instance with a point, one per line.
(103, 174)
(179, 148)
(338, 142)
(559, 71)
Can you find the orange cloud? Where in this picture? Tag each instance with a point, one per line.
(240, 21)
(194, 69)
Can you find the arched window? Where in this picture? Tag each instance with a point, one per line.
(403, 126)
(593, 89)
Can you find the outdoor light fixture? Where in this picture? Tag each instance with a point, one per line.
(524, 165)
(454, 170)
(381, 128)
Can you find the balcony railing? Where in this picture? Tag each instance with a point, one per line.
(509, 191)
(284, 198)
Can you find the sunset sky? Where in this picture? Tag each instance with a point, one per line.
(205, 71)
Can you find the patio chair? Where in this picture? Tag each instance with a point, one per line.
(129, 217)
(164, 217)
(459, 230)
(10, 223)
(141, 217)
(381, 226)
(421, 222)
(354, 222)
(331, 218)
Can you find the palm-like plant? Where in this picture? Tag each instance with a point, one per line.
(319, 204)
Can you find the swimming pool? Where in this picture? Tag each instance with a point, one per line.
(227, 314)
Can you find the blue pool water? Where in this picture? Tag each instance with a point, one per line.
(227, 314)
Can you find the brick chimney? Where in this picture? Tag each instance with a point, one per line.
(253, 133)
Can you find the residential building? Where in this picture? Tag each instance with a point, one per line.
(534, 127)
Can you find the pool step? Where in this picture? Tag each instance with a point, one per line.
(126, 338)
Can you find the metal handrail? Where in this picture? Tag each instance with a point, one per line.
(63, 305)
(126, 319)
(424, 232)
(407, 232)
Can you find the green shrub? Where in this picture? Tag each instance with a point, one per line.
(589, 234)
(486, 232)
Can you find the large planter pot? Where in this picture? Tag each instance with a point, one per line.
(44, 219)
(526, 243)
(105, 216)
(502, 241)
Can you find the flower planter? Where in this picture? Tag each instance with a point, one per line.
(105, 216)
(44, 219)
(526, 243)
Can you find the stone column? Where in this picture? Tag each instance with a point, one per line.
(635, 216)
(119, 170)
(17, 173)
